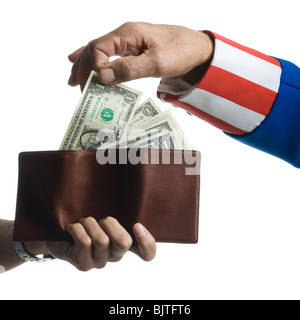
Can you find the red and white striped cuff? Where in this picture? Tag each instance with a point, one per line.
(236, 93)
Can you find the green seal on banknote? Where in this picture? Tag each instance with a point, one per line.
(107, 114)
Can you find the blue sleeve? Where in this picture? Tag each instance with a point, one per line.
(279, 133)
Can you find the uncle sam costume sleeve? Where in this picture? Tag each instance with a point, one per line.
(252, 97)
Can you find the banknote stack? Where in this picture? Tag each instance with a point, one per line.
(110, 116)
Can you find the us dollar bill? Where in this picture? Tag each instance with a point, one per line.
(101, 107)
(163, 140)
(158, 140)
(165, 121)
(108, 116)
(143, 113)
(162, 131)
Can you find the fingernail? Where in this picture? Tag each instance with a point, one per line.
(107, 75)
(139, 230)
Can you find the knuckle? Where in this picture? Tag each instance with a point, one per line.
(116, 259)
(89, 220)
(82, 265)
(102, 241)
(85, 241)
(129, 25)
(83, 268)
(93, 51)
(124, 242)
(75, 228)
(125, 70)
(91, 46)
(109, 219)
(100, 265)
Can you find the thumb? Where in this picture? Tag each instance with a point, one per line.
(128, 68)
(145, 246)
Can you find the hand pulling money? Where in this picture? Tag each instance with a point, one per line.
(114, 111)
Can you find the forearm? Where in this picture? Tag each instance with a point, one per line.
(8, 256)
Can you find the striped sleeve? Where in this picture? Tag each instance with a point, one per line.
(237, 91)
(279, 134)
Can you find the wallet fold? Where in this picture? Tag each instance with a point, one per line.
(57, 188)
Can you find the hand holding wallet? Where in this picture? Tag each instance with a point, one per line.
(57, 188)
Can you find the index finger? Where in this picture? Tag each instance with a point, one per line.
(89, 58)
(73, 56)
(121, 42)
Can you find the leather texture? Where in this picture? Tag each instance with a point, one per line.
(57, 188)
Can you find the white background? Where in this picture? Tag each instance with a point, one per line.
(249, 244)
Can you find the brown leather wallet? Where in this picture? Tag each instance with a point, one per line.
(57, 188)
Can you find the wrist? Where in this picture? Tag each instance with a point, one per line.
(35, 248)
(206, 47)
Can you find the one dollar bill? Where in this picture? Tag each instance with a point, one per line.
(109, 116)
(143, 113)
(101, 107)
